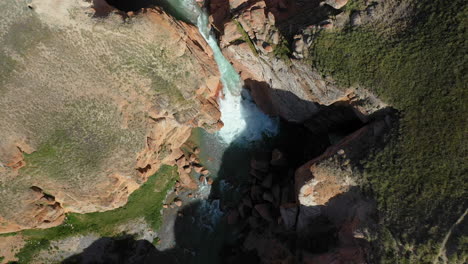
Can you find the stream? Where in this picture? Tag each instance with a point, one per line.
(197, 229)
(243, 121)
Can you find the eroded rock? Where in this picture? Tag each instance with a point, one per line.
(102, 105)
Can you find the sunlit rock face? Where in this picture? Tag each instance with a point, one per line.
(92, 104)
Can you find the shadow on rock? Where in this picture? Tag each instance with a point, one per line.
(121, 250)
(288, 199)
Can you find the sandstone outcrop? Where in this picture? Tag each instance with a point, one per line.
(90, 107)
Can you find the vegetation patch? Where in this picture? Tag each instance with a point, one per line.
(419, 179)
(282, 50)
(145, 202)
(80, 140)
(245, 37)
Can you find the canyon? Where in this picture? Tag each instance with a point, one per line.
(100, 98)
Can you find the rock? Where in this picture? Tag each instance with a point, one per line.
(255, 214)
(257, 174)
(247, 202)
(253, 222)
(306, 215)
(209, 180)
(259, 165)
(178, 202)
(329, 175)
(233, 217)
(231, 34)
(236, 3)
(337, 4)
(244, 211)
(186, 181)
(197, 168)
(289, 215)
(277, 158)
(202, 179)
(182, 162)
(192, 158)
(268, 181)
(165, 206)
(267, 196)
(276, 190)
(196, 150)
(187, 169)
(256, 193)
(264, 210)
(286, 194)
(205, 172)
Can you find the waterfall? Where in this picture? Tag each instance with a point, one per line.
(243, 121)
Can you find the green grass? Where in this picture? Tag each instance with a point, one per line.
(282, 50)
(419, 180)
(354, 5)
(78, 142)
(245, 37)
(145, 202)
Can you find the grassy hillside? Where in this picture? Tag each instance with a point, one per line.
(146, 202)
(420, 178)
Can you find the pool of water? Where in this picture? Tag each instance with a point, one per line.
(200, 231)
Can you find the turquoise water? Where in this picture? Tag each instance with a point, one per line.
(243, 121)
(226, 154)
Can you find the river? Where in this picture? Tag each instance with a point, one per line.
(226, 154)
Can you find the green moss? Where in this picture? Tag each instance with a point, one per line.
(156, 241)
(419, 179)
(282, 50)
(9, 234)
(354, 5)
(245, 37)
(145, 202)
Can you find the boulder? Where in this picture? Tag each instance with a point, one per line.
(178, 202)
(268, 196)
(186, 181)
(256, 193)
(268, 181)
(289, 215)
(257, 174)
(233, 217)
(264, 210)
(277, 158)
(260, 165)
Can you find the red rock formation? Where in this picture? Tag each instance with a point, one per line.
(153, 120)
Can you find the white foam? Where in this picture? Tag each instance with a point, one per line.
(243, 121)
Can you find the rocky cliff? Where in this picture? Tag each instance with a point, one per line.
(302, 59)
(93, 102)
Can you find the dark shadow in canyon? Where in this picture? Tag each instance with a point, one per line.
(129, 5)
(262, 218)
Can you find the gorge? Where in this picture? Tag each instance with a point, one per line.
(257, 131)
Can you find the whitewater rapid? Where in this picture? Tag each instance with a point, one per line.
(243, 121)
